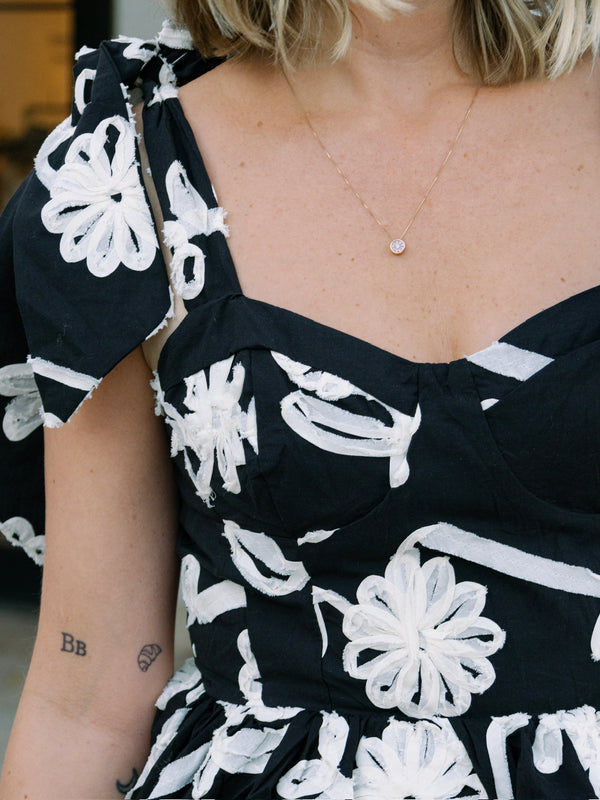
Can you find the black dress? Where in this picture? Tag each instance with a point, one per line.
(391, 569)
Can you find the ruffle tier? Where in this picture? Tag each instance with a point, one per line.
(207, 748)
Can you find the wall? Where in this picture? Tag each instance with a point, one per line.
(141, 18)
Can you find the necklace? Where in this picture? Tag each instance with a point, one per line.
(397, 243)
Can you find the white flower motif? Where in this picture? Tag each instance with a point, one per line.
(205, 606)
(215, 424)
(320, 778)
(97, 202)
(420, 761)
(260, 560)
(582, 726)
(193, 218)
(20, 533)
(338, 430)
(23, 414)
(137, 49)
(433, 644)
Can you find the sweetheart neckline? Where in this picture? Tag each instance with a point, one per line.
(196, 155)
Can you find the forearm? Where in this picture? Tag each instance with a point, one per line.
(82, 730)
(57, 753)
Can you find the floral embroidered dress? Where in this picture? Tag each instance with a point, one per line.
(391, 569)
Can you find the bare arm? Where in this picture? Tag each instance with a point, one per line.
(108, 594)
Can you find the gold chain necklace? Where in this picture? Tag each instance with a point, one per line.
(397, 244)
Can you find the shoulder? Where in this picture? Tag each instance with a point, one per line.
(79, 242)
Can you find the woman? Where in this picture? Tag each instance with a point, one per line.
(390, 548)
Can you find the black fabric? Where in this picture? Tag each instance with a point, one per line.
(391, 569)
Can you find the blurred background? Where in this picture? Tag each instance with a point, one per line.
(38, 41)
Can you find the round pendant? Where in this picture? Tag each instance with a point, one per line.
(397, 246)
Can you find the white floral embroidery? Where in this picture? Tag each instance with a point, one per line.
(337, 430)
(193, 218)
(163, 740)
(247, 749)
(207, 605)
(23, 414)
(507, 560)
(253, 552)
(177, 38)
(82, 90)
(97, 202)
(250, 683)
(420, 761)
(215, 423)
(499, 729)
(433, 644)
(20, 533)
(188, 679)
(166, 88)
(61, 134)
(137, 49)
(320, 778)
(582, 726)
(513, 362)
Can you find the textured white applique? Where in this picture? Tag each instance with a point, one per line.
(247, 750)
(20, 533)
(420, 761)
(491, 401)
(334, 599)
(23, 414)
(97, 203)
(163, 740)
(166, 89)
(180, 773)
(433, 643)
(215, 423)
(64, 375)
(187, 678)
(337, 430)
(320, 778)
(61, 134)
(137, 49)
(510, 361)
(314, 537)
(260, 561)
(250, 683)
(193, 218)
(499, 729)
(177, 38)
(582, 726)
(81, 88)
(508, 560)
(323, 384)
(83, 51)
(205, 606)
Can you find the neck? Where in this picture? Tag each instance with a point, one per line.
(407, 58)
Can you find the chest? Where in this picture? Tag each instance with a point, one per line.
(510, 228)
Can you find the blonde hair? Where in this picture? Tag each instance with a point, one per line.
(495, 41)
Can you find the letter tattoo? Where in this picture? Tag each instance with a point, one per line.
(148, 655)
(72, 645)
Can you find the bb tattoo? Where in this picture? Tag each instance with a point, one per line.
(72, 645)
(148, 655)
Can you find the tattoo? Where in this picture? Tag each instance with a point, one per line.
(72, 645)
(148, 655)
(123, 788)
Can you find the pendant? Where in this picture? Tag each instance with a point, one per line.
(397, 246)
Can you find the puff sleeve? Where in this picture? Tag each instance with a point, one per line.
(82, 277)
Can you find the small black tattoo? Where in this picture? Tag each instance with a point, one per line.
(148, 655)
(123, 788)
(72, 645)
